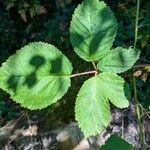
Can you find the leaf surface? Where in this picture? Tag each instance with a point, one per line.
(119, 60)
(92, 105)
(116, 143)
(114, 88)
(36, 76)
(93, 28)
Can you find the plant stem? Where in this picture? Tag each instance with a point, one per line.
(141, 65)
(94, 65)
(136, 23)
(139, 115)
(137, 109)
(83, 73)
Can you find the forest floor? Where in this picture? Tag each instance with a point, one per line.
(31, 132)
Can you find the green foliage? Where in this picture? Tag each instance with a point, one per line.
(143, 92)
(39, 74)
(24, 6)
(7, 35)
(8, 109)
(125, 12)
(36, 76)
(93, 102)
(93, 29)
(55, 29)
(119, 60)
(116, 143)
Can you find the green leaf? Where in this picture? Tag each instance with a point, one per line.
(92, 108)
(92, 30)
(116, 143)
(114, 88)
(92, 104)
(119, 60)
(36, 76)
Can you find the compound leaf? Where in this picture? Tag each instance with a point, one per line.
(92, 30)
(92, 105)
(116, 143)
(119, 60)
(36, 76)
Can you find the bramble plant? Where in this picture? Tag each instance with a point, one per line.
(39, 74)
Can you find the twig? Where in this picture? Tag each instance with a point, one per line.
(137, 109)
(146, 113)
(15, 136)
(136, 23)
(83, 73)
(141, 65)
(30, 129)
(141, 26)
(14, 124)
(122, 133)
(94, 65)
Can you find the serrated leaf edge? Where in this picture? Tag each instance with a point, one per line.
(138, 56)
(14, 99)
(94, 134)
(79, 5)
